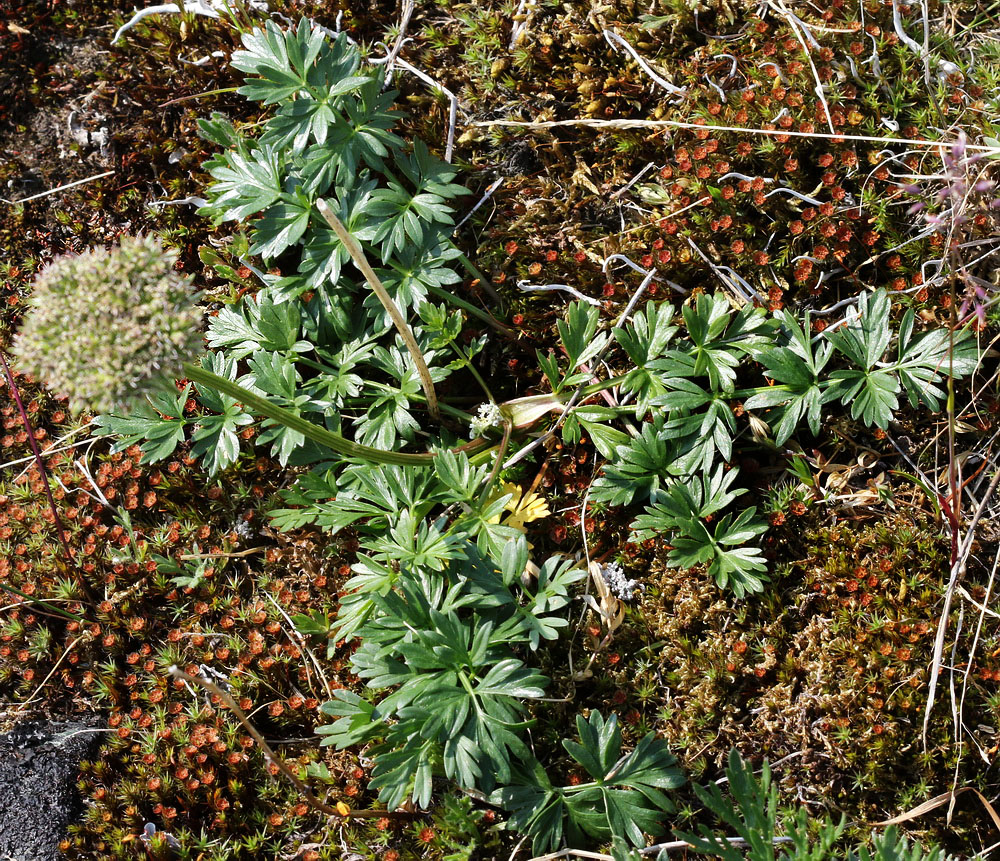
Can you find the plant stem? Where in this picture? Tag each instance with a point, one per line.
(378, 288)
(597, 388)
(448, 409)
(478, 313)
(445, 408)
(473, 270)
(472, 370)
(310, 430)
(501, 454)
(199, 96)
(33, 600)
(44, 473)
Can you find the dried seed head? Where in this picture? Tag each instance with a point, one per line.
(107, 327)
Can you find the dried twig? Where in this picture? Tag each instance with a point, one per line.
(237, 554)
(58, 189)
(796, 24)
(522, 16)
(57, 521)
(193, 7)
(300, 641)
(672, 846)
(86, 636)
(677, 124)
(525, 287)
(651, 166)
(618, 43)
(392, 61)
(486, 196)
(404, 22)
(957, 570)
(341, 811)
(897, 25)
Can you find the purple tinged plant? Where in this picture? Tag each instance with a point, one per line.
(962, 195)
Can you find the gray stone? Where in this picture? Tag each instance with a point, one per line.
(39, 764)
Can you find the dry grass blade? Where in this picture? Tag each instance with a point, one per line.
(677, 124)
(939, 801)
(378, 288)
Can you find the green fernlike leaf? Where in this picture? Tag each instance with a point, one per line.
(754, 815)
(299, 61)
(750, 810)
(925, 361)
(684, 513)
(718, 340)
(872, 395)
(623, 801)
(922, 362)
(454, 691)
(281, 227)
(638, 469)
(247, 180)
(797, 369)
(865, 335)
(257, 323)
(215, 441)
(645, 338)
(578, 333)
(891, 846)
(594, 420)
(158, 426)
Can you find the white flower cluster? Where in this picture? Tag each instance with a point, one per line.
(620, 586)
(107, 327)
(487, 417)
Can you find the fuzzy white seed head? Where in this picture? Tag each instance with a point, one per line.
(107, 327)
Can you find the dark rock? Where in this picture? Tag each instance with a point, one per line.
(39, 763)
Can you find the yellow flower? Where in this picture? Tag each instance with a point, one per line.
(523, 507)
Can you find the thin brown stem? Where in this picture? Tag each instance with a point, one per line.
(44, 473)
(341, 811)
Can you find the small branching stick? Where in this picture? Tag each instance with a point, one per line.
(378, 288)
(341, 811)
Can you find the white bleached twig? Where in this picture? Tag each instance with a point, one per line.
(522, 15)
(812, 201)
(397, 62)
(196, 7)
(589, 123)
(729, 277)
(208, 8)
(897, 25)
(617, 42)
(194, 201)
(672, 846)
(60, 188)
(486, 196)
(802, 33)
(634, 180)
(525, 287)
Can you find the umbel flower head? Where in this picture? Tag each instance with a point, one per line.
(106, 327)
